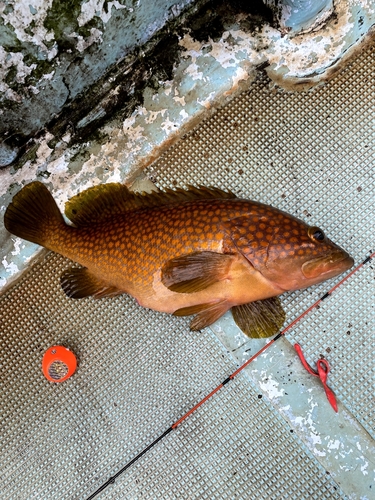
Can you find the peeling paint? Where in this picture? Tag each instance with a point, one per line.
(333, 445)
(95, 37)
(72, 45)
(338, 441)
(21, 17)
(44, 151)
(18, 244)
(270, 386)
(91, 9)
(10, 267)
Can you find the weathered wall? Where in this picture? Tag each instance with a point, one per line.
(52, 51)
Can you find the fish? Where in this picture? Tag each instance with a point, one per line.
(199, 251)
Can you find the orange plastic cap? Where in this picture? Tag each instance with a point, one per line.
(59, 363)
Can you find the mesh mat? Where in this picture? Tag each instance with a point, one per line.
(138, 372)
(310, 154)
(234, 447)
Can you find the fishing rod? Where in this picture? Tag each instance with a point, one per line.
(174, 426)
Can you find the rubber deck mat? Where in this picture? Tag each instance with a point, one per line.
(138, 372)
(311, 154)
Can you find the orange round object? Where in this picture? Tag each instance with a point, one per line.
(59, 363)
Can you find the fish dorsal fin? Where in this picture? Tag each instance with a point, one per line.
(78, 282)
(261, 318)
(100, 202)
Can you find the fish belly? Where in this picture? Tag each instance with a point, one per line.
(243, 285)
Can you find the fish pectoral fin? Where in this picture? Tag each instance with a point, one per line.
(261, 318)
(78, 282)
(196, 271)
(206, 314)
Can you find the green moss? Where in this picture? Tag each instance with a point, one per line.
(29, 155)
(8, 38)
(42, 68)
(8, 9)
(30, 29)
(52, 143)
(19, 89)
(85, 30)
(62, 19)
(151, 64)
(11, 76)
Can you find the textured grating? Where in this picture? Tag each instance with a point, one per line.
(311, 154)
(138, 372)
(220, 453)
(128, 387)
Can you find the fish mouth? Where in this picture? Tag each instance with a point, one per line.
(328, 266)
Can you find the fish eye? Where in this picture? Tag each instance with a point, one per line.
(316, 234)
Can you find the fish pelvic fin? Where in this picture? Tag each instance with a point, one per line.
(196, 271)
(261, 318)
(78, 283)
(33, 214)
(206, 314)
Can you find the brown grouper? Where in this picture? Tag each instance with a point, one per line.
(199, 251)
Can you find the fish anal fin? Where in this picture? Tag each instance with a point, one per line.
(78, 283)
(259, 319)
(206, 314)
(196, 271)
(188, 311)
(106, 200)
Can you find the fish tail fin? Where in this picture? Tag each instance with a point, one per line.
(33, 214)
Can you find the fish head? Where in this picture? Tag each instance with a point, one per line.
(293, 255)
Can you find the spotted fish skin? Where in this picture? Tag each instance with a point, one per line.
(129, 251)
(187, 253)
